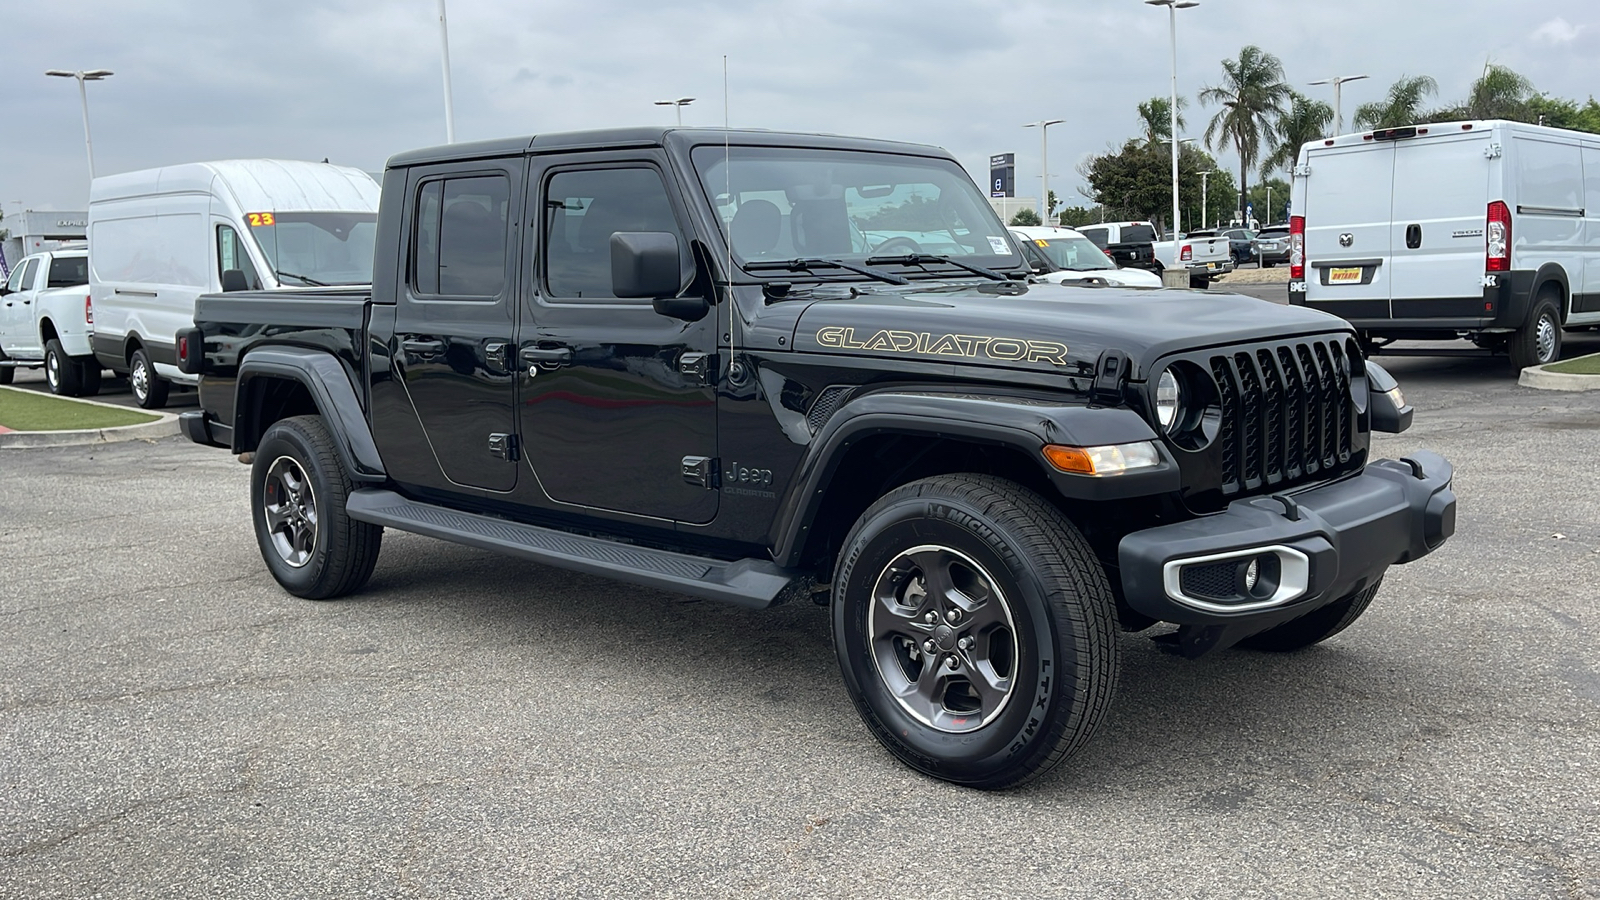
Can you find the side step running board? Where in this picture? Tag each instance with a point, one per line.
(752, 583)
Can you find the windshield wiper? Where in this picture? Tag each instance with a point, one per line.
(311, 281)
(808, 263)
(919, 259)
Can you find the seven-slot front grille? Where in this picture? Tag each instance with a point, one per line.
(1287, 413)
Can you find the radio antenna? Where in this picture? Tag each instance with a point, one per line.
(727, 174)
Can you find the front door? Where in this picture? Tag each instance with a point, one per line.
(615, 395)
(454, 331)
(18, 335)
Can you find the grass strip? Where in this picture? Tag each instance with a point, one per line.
(28, 411)
(1583, 365)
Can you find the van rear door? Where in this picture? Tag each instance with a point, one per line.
(1441, 199)
(1348, 196)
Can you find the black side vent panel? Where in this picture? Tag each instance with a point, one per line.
(827, 403)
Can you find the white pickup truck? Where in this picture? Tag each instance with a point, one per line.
(46, 320)
(1138, 245)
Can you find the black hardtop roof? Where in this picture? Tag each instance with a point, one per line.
(619, 138)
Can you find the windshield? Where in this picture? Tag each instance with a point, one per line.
(779, 203)
(1076, 253)
(317, 248)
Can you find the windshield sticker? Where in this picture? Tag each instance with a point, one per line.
(998, 245)
(968, 346)
(1041, 242)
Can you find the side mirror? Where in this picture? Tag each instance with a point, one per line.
(645, 264)
(234, 280)
(1390, 414)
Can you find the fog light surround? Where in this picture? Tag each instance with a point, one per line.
(1282, 575)
(1110, 460)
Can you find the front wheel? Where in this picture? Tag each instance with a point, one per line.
(149, 389)
(975, 630)
(60, 372)
(298, 489)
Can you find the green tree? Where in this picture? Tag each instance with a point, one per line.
(1026, 217)
(1307, 120)
(1155, 116)
(1074, 216)
(1401, 106)
(1499, 94)
(1561, 113)
(1135, 182)
(1252, 96)
(1269, 208)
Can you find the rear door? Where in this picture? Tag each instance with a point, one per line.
(1441, 199)
(1348, 198)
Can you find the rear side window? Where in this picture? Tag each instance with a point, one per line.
(1097, 235)
(68, 271)
(1137, 234)
(583, 210)
(460, 238)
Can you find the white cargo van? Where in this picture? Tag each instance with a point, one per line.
(1486, 230)
(161, 237)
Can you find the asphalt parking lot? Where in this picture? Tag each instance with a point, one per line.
(174, 725)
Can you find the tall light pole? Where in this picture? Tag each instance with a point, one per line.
(82, 76)
(678, 104)
(1338, 114)
(1203, 183)
(449, 100)
(1044, 166)
(1172, 26)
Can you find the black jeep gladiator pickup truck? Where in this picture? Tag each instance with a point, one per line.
(756, 367)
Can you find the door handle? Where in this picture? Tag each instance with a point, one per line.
(423, 348)
(546, 356)
(1413, 236)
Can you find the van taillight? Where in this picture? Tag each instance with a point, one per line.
(183, 349)
(88, 310)
(1187, 254)
(1497, 239)
(1297, 248)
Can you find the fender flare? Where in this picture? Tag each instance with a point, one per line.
(1018, 423)
(325, 378)
(1547, 273)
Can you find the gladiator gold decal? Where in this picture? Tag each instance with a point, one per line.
(967, 346)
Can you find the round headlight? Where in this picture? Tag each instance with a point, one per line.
(1168, 399)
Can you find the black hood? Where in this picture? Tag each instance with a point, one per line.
(1050, 327)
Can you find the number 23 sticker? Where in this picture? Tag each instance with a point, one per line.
(257, 220)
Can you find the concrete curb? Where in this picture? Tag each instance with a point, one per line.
(1537, 377)
(166, 425)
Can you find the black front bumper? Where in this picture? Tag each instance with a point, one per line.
(1325, 542)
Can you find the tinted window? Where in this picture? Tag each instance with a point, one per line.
(1137, 234)
(1097, 235)
(68, 271)
(231, 255)
(461, 237)
(583, 210)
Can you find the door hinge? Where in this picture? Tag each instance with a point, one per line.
(1301, 171)
(503, 446)
(497, 354)
(696, 365)
(700, 471)
(1492, 151)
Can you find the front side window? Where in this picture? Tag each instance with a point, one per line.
(583, 210)
(68, 271)
(316, 248)
(1075, 254)
(231, 254)
(460, 240)
(778, 203)
(20, 276)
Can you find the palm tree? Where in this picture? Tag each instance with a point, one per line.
(1402, 106)
(1499, 94)
(1306, 121)
(1156, 116)
(1251, 95)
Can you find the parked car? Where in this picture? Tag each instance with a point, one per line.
(1137, 245)
(1058, 255)
(1241, 242)
(45, 320)
(686, 377)
(162, 237)
(1483, 228)
(1272, 245)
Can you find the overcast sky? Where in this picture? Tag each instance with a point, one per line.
(359, 80)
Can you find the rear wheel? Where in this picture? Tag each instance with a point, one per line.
(6, 372)
(1316, 626)
(298, 489)
(60, 372)
(88, 375)
(149, 389)
(1539, 341)
(975, 630)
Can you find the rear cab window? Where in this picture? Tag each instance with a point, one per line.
(68, 271)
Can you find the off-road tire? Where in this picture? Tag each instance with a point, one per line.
(1061, 614)
(1539, 341)
(1316, 626)
(60, 372)
(341, 552)
(149, 389)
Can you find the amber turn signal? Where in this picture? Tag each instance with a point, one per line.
(1112, 460)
